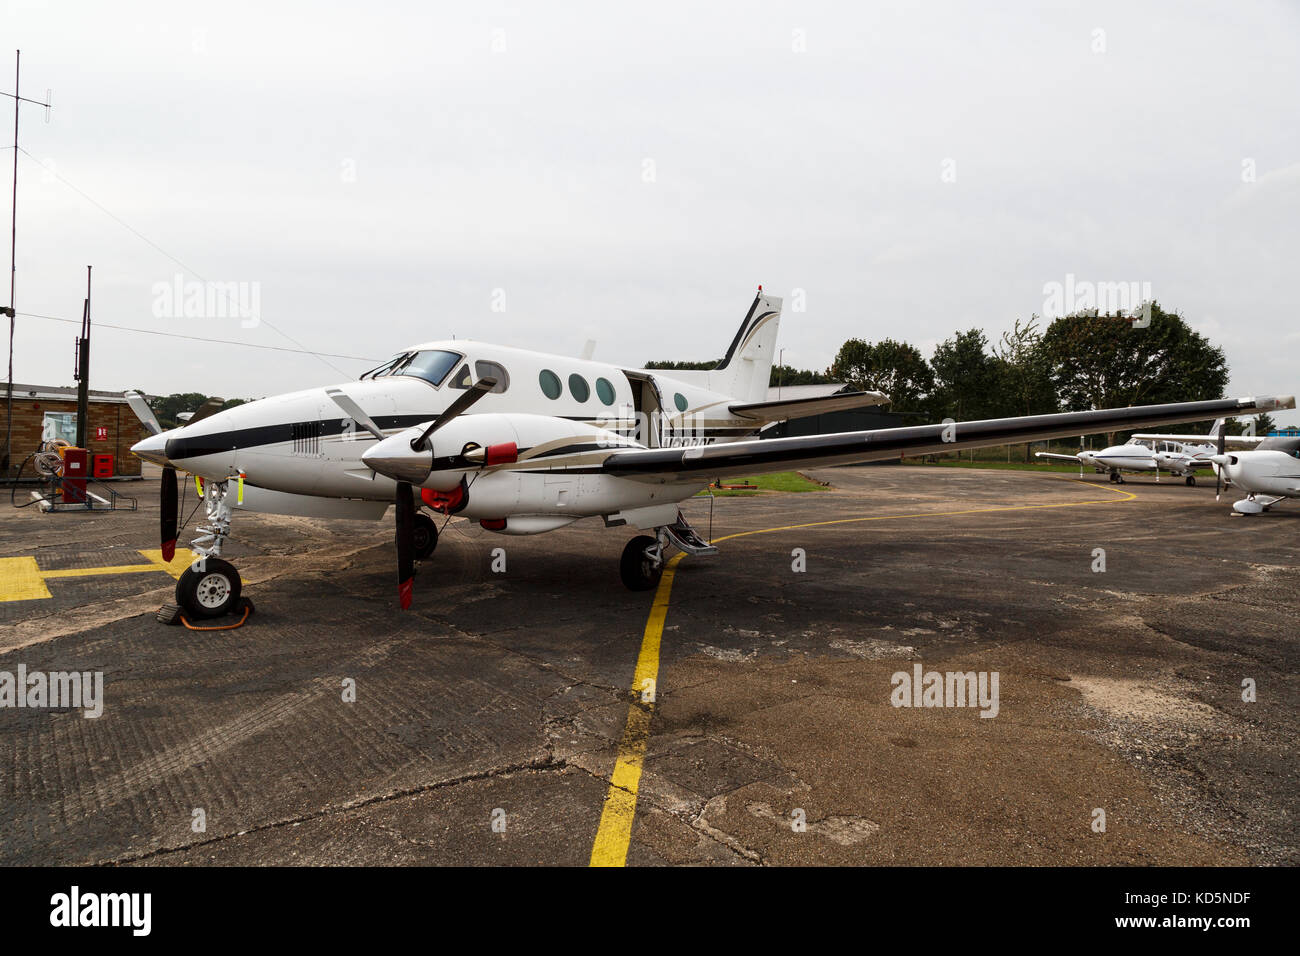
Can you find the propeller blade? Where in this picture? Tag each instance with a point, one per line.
(168, 517)
(458, 407)
(210, 407)
(355, 411)
(405, 543)
(1218, 469)
(143, 412)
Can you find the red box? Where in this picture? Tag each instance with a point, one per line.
(74, 475)
(101, 466)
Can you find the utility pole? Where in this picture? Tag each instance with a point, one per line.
(13, 262)
(82, 371)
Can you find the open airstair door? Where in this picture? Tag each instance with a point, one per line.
(653, 426)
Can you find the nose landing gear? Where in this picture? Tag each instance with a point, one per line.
(210, 586)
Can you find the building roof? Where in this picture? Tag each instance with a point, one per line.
(59, 393)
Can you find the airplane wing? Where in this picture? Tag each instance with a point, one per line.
(758, 456)
(779, 411)
(1048, 454)
(1242, 441)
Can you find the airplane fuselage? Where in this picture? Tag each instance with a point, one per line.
(561, 412)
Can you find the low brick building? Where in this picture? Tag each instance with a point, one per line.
(44, 411)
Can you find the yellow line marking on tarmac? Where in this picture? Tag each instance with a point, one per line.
(21, 579)
(614, 834)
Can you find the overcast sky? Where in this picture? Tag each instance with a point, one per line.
(541, 174)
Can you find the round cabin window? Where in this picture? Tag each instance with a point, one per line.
(579, 388)
(680, 401)
(605, 391)
(550, 383)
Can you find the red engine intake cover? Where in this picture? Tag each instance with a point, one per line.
(506, 453)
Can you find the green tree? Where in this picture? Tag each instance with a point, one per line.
(966, 378)
(789, 375)
(1026, 374)
(895, 368)
(1106, 362)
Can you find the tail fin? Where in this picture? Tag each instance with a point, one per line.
(745, 370)
(1219, 425)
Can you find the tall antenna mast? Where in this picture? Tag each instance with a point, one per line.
(13, 258)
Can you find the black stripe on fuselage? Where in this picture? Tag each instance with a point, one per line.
(184, 447)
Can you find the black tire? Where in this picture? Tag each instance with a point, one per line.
(1113, 477)
(1191, 481)
(424, 536)
(209, 592)
(638, 572)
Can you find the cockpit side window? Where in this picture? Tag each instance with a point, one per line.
(482, 369)
(461, 378)
(432, 365)
(493, 370)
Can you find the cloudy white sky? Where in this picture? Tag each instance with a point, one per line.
(628, 173)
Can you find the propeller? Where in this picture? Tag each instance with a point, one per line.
(210, 407)
(405, 543)
(143, 412)
(456, 408)
(168, 516)
(355, 411)
(1218, 468)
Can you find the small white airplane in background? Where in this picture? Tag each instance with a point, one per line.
(1131, 456)
(1268, 473)
(551, 439)
(1179, 455)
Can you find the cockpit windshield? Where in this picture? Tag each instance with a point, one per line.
(432, 365)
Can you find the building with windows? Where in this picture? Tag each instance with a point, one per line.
(44, 412)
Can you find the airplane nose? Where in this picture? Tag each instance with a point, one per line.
(395, 458)
(153, 448)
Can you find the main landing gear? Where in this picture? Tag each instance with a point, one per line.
(642, 563)
(1116, 478)
(424, 536)
(1190, 481)
(210, 587)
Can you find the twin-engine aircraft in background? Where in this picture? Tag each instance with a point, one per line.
(1179, 455)
(524, 442)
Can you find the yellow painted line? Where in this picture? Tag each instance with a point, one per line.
(181, 560)
(21, 579)
(614, 833)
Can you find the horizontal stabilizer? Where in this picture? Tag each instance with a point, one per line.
(781, 411)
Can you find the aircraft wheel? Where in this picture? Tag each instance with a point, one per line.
(1113, 477)
(209, 592)
(1191, 481)
(424, 536)
(639, 571)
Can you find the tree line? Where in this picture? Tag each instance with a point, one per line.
(1078, 362)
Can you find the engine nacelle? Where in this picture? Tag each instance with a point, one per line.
(487, 440)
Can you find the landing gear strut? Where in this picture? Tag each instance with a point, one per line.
(642, 564)
(210, 587)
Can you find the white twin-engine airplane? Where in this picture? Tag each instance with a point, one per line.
(1179, 455)
(550, 440)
